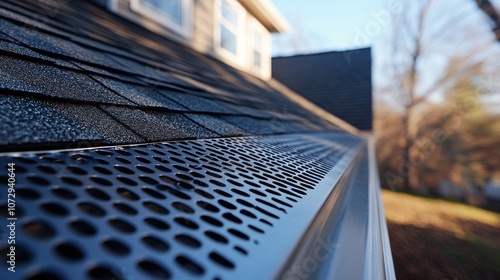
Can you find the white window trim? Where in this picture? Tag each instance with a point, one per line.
(239, 57)
(263, 49)
(185, 29)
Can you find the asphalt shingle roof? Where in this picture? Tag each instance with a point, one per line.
(77, 72)
(339, 82)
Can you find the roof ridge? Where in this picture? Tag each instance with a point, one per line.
(321, 53)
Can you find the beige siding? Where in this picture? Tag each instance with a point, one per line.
(203, 25)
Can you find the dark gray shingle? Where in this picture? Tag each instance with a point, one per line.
(339, 82)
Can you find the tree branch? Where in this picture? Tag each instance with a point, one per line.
(490, 11)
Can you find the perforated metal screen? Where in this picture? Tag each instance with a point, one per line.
(215, 209)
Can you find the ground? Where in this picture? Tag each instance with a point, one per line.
(437, 239)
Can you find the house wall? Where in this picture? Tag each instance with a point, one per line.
(204, 34)
(203, 26)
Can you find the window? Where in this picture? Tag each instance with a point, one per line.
(173, 14)
(257, 48)
(228, 31)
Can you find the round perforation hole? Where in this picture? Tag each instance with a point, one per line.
(216, 237)
(256, 228)
(207, 206)
(183, 208)
(45, 168)
(204, 194)
(127, 181)
(121, 225)
(97, 194)
(102, 170)
(200, 183)
(125, 208)
(77, 170)
(241, 250)
(281, 202)
(159, 152)
(168, 180)
(217, 183)
(232, 218)
(141, 152)
(83, 227)
(161, 160)
(69, 251)
(153, 193)
(245, 203)
(127, 194)
(174, 192)
(101, 181)
(124, 169)
(219, 259)
(183, 221)
(196, 174)
(123, 160)
(91, 209)
(38, 229)
(143, 160)
(188, 240)
(148, 180)
(163, 168)
(154, 270)
(154, 207)
(37, 180)
(248, 213)
(211, 220)
(64, 193)
(116, 247)
(223, 193)
(28, 194)
(145, 169)
(226, 204)
(155, 243)
(189, 265)
(54, 209)
(102, 161)
(104, 272)
(184, 177)
(156, 223)
(240, 192)
(71, 181)
(238, 233)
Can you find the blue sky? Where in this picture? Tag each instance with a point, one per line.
(326, 25)
(323, 25)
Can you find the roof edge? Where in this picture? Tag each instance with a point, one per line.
(315, 109)
(268, 14)
(322, 53)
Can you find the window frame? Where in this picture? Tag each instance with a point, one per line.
(262, 48)
(239, 31)
(184, 29)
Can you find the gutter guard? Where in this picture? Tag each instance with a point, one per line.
(235, 208)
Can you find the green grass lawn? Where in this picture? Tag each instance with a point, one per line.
(437, 239)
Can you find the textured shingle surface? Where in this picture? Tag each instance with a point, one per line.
(75, 72)
(339, 82)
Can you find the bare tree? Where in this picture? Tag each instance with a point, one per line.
(490, 11)
(420, 33)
